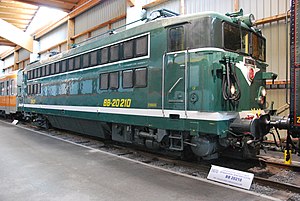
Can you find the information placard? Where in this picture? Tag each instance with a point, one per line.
(232, 177)
(15, 122)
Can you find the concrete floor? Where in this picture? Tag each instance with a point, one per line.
(36, 167)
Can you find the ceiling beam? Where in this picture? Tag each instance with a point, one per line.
(15, 4)
(131, 3)
(20, 22)
(16, 16)
(154, 3)
(6, 53)
(65, 5)
(16, 11)
(80, 9)
(15, 35)
(7, 43)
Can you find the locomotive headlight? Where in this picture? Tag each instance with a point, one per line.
(261, 98)
(263, 92)
(251, 74)
(232, 89)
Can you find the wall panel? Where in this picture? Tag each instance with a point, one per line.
(275, 34)
(9, 61)
(23, 54)
(54, 37)
(221, 6)
(264, 8)
(100, 14)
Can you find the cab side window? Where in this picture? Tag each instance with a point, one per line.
(176, 39)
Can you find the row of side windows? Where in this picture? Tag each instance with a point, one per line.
(34, 89)
(133, 48)
(130, 78)
(7, 88)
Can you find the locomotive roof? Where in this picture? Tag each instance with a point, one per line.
(128, 33)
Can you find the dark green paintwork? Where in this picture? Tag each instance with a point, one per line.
(204, 92)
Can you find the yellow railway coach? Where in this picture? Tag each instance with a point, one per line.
(8, 93)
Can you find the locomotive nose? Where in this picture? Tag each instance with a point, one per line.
(257, 127)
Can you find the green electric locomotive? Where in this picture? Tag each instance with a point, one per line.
(174, 84)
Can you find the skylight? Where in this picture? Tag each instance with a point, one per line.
(44, 16)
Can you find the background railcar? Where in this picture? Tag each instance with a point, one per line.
(8, 93)
(179, 84)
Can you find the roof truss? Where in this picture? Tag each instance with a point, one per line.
(15, 35)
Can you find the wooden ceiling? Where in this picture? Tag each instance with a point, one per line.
(20, 13)
(65, 5)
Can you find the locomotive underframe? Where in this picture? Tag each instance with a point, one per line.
(186, 143)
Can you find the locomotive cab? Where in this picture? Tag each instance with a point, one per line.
(215, 65)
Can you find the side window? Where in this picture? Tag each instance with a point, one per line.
(39, 72)
(104, 55)
(127, 79)
(1, 88)
(94, 58)
(114, 53)
(28, 89)
(114, 80)
(64, 66)
(52, 69)
(128, 49)
(231, 37)
(28, 75)
(32, 89)
(57, 67)
(71, 64)
(7, 88)
(85, 61)
(141, 46)
(77, 63)
(176, 39)
(47, 70)
(140, 77)
(12, 87)
(104, 81)
(37, 88)
(43, 71)
(35, 73)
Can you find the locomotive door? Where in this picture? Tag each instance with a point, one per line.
(175, 81)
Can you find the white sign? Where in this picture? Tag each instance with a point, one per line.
(15, 122)
(232, 177)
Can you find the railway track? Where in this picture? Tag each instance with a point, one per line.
(205, 167)
(277, 185)
(278, 163)
(197, 169)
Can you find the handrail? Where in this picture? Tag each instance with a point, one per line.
(163, 86)
(185, 81)
(174, 85)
